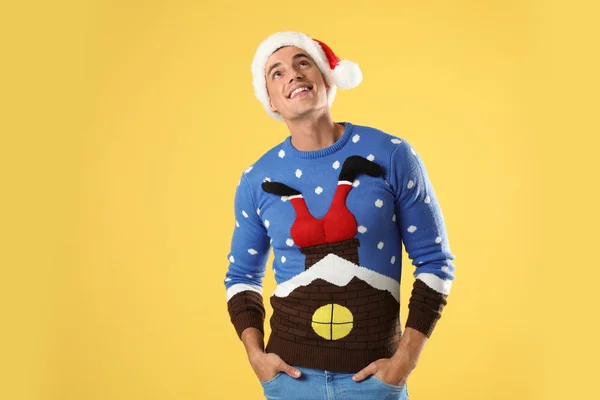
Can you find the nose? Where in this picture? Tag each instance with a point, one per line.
(296, 75)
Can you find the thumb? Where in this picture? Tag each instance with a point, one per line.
(291, 371)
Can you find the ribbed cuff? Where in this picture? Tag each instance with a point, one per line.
(246, 320)
(425, 308)
(246, 309)
(422, 321)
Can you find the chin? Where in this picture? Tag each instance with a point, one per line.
(306, 113)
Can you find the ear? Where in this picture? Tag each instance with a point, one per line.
(273, 109)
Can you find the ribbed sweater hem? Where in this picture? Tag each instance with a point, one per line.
(330, 359)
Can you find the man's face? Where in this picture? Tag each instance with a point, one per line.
(295, 84)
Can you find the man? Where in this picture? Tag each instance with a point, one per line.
(335, 201)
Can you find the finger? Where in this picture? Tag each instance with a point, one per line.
(365, 372)
(291, 371)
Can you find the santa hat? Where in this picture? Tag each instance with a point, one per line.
(338, 73)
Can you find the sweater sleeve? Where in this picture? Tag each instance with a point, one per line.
(247, 261)
(420, 220)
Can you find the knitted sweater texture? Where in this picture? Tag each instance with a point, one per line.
(337, 220)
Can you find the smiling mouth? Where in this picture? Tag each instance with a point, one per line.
(300, 90)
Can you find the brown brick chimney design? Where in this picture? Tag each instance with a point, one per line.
(371, 326)
(347, 249)
(376, 312)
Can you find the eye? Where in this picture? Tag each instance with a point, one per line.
(304, 63)
(275, 74)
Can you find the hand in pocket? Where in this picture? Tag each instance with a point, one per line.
(267, 365)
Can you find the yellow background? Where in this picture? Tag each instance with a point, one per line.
(125, 126)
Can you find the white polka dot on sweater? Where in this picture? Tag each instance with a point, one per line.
(411, 228)
(370, 157)
(274, 271)
(420, 262)
(427, 199)
(319, 190)
(258, 211)
(227, 279)
(396, 141)
(284, 198)
(281, 153)
(237, 224)
(356, 138)
(240, 181)
(289, 242)
(267, 179)
(244, 214)
(410, 184)
(231, 259)
(444, 268)
(298, 173)
(267, 223)
(252, 251)
(379, 203)
(283, 259)
(394, 217)
(393, 260)
(386, 182)
(249, 276)
(362, 229)
(413, 151)
(248, 169)
(336, 165)
(356, 183)
(380, 245)
(438, 239)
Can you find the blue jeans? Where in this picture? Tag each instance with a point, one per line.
(315, 384)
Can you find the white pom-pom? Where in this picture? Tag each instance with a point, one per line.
(347, 74)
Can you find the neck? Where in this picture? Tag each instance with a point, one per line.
(314, 133)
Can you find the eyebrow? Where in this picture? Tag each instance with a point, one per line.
(277, 64)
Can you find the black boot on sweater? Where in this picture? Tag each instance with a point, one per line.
(279, 189)
(355, 165)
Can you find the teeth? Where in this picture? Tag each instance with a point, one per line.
(298, 90)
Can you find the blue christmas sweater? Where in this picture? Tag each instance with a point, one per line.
(337, 219)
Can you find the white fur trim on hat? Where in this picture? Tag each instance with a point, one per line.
(346, 74)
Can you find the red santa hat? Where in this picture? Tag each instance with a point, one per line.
(338, 73)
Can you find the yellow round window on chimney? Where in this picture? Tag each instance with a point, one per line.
(332, 321)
